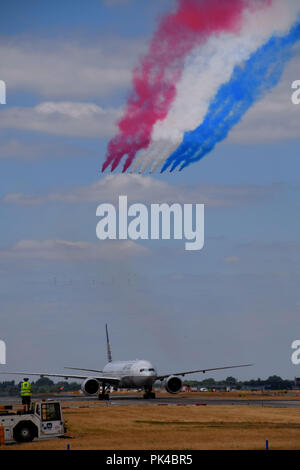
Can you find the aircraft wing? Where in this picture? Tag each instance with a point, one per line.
(80, 368)
(100, 378)
(161, 377)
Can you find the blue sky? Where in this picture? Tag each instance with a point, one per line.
(67, 66)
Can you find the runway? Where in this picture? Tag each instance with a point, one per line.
(161, 400)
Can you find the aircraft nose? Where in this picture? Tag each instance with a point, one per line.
(151, 373)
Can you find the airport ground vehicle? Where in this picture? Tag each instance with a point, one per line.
(43, 421)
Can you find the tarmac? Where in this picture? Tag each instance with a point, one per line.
(79, 401)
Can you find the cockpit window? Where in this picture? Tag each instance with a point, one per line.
(151, 370)
(142, 370)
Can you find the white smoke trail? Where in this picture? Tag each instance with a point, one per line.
(147, 156)
(206, 69)
(163, 155)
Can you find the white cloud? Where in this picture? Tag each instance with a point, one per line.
(75, 251)
(69, 69)
(31, 151)
(70, 109)
(62, 118)
(275, 117)
(149, 190)
(56, 68)
(14, 148)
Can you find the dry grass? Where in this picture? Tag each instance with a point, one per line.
(172, 427)
(243, 395)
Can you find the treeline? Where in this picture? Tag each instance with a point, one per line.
(42, 385)
(45, 385)
(274, 382)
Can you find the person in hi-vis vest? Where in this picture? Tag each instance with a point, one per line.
(26, 394)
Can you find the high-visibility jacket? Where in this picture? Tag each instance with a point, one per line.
(25, 389)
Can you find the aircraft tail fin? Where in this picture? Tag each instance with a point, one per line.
(109, 356)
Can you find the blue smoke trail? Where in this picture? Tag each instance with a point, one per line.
(248, 84)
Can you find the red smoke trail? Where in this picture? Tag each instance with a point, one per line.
(154, 80)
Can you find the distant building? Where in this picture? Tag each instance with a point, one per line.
(296, 385)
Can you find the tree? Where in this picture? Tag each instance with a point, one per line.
(230, 381)
(208, 382)
(44, 382)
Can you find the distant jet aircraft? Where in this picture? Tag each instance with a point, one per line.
(138, 374)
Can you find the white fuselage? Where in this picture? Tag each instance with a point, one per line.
(133, 374)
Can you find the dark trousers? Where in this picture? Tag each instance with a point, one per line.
(26, 402)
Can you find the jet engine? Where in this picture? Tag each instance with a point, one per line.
(90, 386)
(173, 384)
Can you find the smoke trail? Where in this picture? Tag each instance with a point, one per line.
(154, 80)
(208, 67)
(248, 84)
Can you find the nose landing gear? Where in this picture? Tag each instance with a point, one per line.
(149, 394)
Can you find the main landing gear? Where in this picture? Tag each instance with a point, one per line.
(103, 395)
(149, 394)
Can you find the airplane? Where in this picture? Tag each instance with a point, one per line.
(138, 374)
